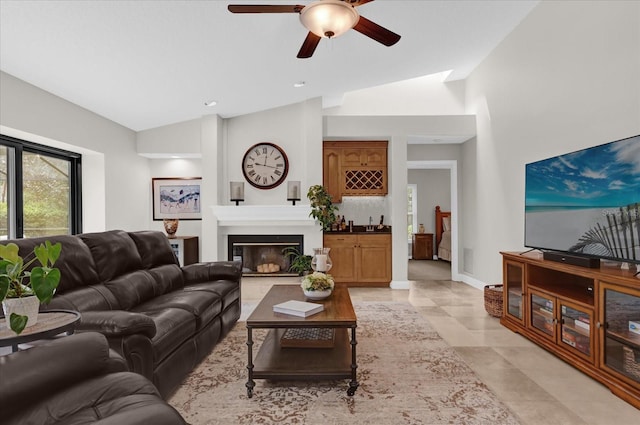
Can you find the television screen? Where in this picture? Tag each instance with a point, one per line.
(586, 202)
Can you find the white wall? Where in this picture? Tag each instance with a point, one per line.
(116, 181)
(566, 78)
(427, 95)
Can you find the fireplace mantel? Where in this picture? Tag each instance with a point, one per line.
(261, 215)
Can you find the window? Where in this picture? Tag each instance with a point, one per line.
(412, 205)
(40, 190)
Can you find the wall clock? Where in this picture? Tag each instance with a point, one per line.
(265, 165)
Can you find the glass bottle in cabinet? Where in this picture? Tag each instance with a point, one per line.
(514, 286)
(575, 328)
(542, 314)
(621, 348)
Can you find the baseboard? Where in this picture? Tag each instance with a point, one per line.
(400, 284)
(575, 260)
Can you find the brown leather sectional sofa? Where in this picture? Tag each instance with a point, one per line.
(78, 380)
(162, 318)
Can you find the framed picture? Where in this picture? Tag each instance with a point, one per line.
(176, 197)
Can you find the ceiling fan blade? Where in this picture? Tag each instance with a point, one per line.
(309, 46)
(264, 8)
(375, 31)
(357, 3)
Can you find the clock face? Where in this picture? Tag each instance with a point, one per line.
(265, 165)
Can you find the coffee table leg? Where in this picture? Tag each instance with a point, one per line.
(250, 383)
(353, 385)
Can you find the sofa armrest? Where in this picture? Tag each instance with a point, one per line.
(215, 270)
(117, 323)
(36, 373)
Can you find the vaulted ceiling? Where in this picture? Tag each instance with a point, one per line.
(150, 63)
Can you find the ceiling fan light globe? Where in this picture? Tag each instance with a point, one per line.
(329, 18)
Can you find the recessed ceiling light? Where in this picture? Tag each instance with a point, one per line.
(210, 103)
(299, 84)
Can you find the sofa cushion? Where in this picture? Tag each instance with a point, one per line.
(154, 249)
(76, 264)
(113, 252)
(116, 398)
(173, 327)
(132, 289)
(167, 277)
(203, 305)
(91, 298)
(229, 292)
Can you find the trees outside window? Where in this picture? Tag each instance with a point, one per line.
(39, 190)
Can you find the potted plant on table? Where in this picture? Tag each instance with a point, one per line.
(317, 285)
(322, 207)
(22, 290)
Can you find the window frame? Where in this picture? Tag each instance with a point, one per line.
(17, 148)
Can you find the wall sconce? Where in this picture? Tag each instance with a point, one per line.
(293, 191)
(236, 189)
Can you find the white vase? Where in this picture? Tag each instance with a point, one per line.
(26, 306)
(317, 295)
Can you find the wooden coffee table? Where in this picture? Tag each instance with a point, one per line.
(277, 363)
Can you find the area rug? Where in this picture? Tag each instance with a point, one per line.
(407, 375)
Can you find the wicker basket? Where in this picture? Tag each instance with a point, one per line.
(493, 300)
(631, 364)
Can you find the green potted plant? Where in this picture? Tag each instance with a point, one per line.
(322, 208)
(21, 288)
(298, 262)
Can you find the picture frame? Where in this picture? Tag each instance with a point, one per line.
(176, 197)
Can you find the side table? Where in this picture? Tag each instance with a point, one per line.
(50, 323)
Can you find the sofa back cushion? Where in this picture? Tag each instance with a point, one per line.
(113, 252)
(154, 249)
(77, 268)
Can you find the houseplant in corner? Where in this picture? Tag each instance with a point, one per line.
(298, 262)
(21, 287)
(322, 208)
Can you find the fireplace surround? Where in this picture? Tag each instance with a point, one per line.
(261, 255)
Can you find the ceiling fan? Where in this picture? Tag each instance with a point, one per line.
(326, 18)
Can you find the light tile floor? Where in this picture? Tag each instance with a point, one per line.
(537, 386)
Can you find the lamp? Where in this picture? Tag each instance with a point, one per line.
(236, 189)
(293, 191)
(329, 18)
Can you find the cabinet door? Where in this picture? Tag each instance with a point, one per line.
(620, 342)
(352, 157)
(374, 157)
(514, 290)
(542, 314)
(343, 257)
(331, 173)
(576, 332)
(374, 258)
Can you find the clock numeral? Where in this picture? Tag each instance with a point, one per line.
(249, 165)
(272, 179)
(252, 173)
(264, 151)
(277, 172)
(257, 151)
(277, 157)
(279, 165)
(264, 180)
(257, 179)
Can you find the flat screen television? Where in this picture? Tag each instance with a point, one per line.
(586, 202)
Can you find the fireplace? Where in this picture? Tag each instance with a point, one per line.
(261, 255)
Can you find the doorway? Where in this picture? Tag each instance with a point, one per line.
(451, 166)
